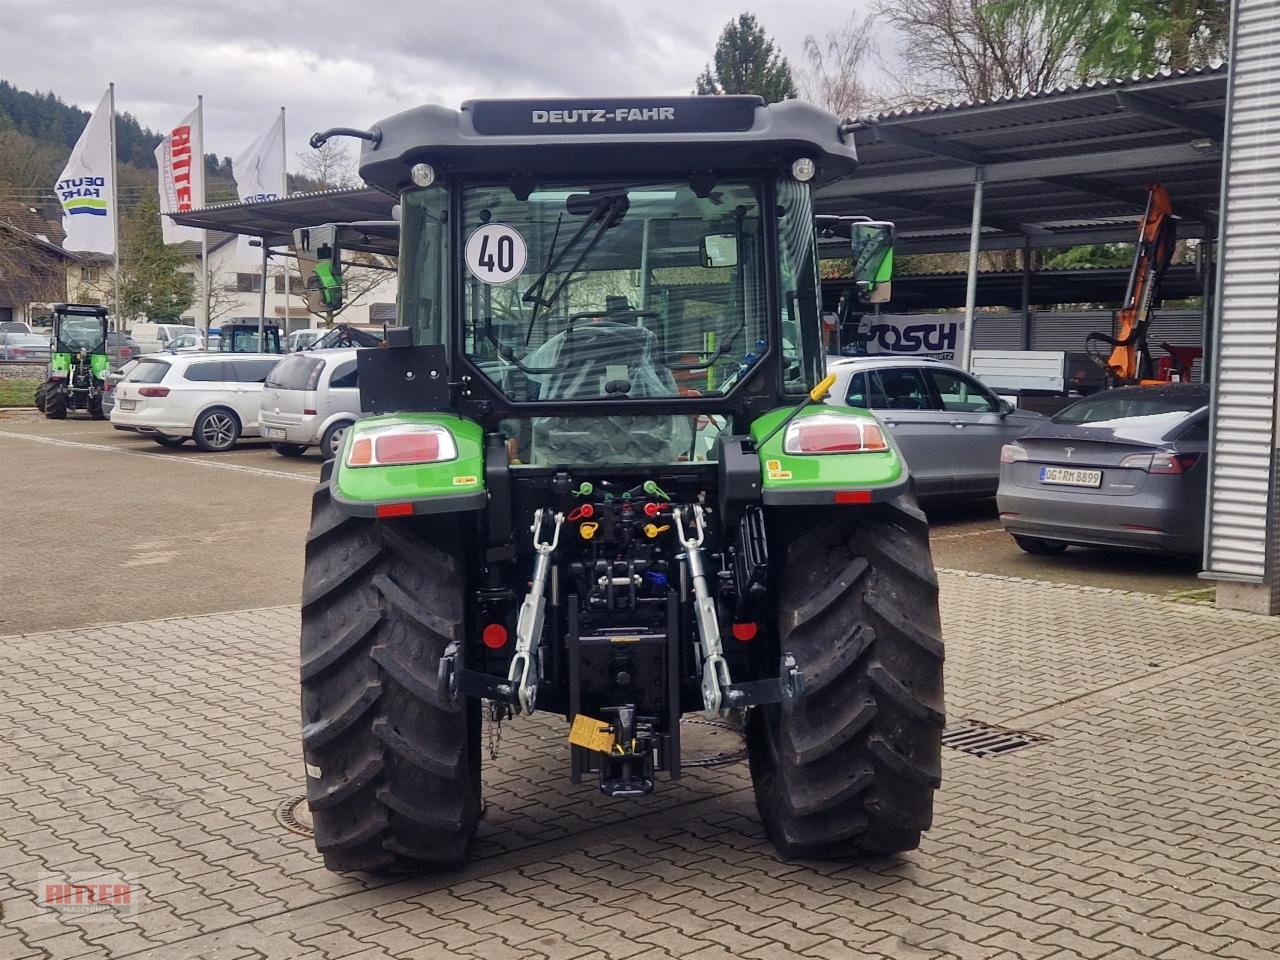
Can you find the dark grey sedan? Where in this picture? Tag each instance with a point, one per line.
(1123, 468)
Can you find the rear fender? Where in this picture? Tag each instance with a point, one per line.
(450, 486)
(828, 478)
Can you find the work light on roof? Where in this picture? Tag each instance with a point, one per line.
(422, 174)
(804, 169)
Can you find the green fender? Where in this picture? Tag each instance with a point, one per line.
(816, 479)
(446, 487)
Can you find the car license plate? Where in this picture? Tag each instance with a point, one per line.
(1071, 477)
(128, 404)
(274, 433)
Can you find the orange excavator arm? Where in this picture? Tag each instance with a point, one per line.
(1130, 358)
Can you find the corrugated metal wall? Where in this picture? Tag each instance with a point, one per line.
(1241, 497)
(1066, 330)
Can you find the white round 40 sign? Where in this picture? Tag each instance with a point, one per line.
(496, 253)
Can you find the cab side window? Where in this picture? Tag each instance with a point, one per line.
(961, 394)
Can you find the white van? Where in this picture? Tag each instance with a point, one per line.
(210, 398)
(154, 337)
(310, 400)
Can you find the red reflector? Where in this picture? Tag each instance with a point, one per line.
(853, 496)
(309, 413)
(154, 392)
(407, 448)
(395, 510)
(494, 636)
(744, 631)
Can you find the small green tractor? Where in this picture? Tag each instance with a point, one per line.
(597, 481)
(78, 362)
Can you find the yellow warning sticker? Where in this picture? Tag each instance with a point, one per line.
(464, 481)
(773, 466)
(591, 734)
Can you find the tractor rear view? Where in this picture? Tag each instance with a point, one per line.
(596, 483)
(78, 362)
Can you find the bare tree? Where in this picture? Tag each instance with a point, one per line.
(832, 73)
(963, 50)
(329, 167)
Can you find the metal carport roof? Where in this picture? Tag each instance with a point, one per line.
(1061, 167)
(275, 220)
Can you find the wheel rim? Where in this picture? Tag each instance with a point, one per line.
(335, 440)
(219, 430)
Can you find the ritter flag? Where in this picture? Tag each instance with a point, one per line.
(85, 187)
(179, 160)
(259, 175)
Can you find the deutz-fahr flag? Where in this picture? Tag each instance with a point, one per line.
(85, 187)
(179, 162)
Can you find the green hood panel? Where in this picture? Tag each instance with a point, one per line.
(456, 484)
(797, 478)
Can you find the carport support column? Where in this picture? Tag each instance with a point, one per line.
(971, 282)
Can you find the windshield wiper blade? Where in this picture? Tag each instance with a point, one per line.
(607, 213)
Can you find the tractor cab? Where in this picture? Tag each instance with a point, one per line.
(242, 336)
(78, 361)
(598, 480)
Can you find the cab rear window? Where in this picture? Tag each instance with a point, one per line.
(148, 371)
(296, 373)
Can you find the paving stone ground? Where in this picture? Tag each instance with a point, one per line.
(1146, 827)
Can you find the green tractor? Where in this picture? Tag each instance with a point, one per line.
(78, 362)
(597, 481)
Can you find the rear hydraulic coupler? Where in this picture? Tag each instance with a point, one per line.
(525, 671)
(715, 671)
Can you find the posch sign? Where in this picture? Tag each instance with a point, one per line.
(914, 336)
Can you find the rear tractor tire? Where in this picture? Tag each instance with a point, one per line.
(39, 398)
(289, 449)
(393, 766)
(851, 769)
(55, 403)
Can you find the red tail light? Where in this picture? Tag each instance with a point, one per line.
(153, 392)
(745, 632)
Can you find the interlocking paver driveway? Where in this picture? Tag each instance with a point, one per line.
(1146, 827)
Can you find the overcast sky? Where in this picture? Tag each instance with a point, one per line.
(351, 63)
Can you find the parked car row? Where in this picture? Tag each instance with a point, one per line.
(304, 400)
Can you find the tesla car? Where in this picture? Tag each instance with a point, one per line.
(1122, 468)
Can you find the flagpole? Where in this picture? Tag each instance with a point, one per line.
(284, 192)
(115, 207)
(204, 234)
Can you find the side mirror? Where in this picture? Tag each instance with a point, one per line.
(319, 260)
(720, 250)
(1005, 408)
(871, 244)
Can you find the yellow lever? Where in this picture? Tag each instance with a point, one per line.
(588, 530)
(651, 530)
(823, 388)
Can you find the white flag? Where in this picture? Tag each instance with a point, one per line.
(85, 187)
(259, 175)
(180, 161)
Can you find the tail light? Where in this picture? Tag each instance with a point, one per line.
(402, 444)
(153, 392)
(1164, 462)
(1013, 453)
(828, 433)
(494, 636)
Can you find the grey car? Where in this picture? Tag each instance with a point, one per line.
(1123, 468)
(949, 427)
(112, 379)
